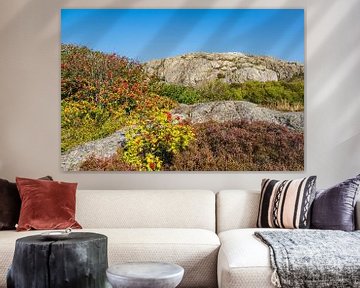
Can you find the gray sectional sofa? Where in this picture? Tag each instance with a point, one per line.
(209, 234)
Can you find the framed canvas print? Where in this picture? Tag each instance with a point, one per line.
(182, 89)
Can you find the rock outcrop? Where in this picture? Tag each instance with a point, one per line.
(101, 148)
(222, 111)
(196, 68)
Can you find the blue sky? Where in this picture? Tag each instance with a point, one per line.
(145, 34)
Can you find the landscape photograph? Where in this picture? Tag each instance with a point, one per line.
(182, 89)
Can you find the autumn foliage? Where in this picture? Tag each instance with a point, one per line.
(103, 93)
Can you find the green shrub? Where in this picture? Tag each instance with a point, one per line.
(280, 95)
(217, 90)
(273, 94)
(179, 93)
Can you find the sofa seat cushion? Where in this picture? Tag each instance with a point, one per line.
(244, 261)
(194, 249)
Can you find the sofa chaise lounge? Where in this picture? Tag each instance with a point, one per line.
(177, 226)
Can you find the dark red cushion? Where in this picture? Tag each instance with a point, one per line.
(46, 204)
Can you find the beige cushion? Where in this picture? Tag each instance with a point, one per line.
(244, 261)
(146, 209)
(194, 249)
(236, 209)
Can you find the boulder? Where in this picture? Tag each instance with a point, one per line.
(101, 148)
(195, 69)
(222, 111)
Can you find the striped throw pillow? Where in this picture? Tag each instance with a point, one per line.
(286, 204)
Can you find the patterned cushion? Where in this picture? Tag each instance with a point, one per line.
(286, 204)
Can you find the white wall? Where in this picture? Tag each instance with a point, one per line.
(30, 95)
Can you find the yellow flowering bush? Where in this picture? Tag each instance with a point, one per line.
(152, 144)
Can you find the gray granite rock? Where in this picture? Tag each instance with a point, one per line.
(197, 68)
(105, 147)
(222, 111)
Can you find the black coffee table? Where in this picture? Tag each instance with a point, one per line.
(80, 261)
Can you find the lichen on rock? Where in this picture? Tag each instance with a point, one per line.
(223, 111)
(194, 69)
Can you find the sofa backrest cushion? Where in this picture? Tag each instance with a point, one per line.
(236, 209)
(146, 209)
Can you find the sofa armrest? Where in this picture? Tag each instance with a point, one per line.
(357, 215)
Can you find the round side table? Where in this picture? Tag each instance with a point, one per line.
(78, 261)
(145, 275)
